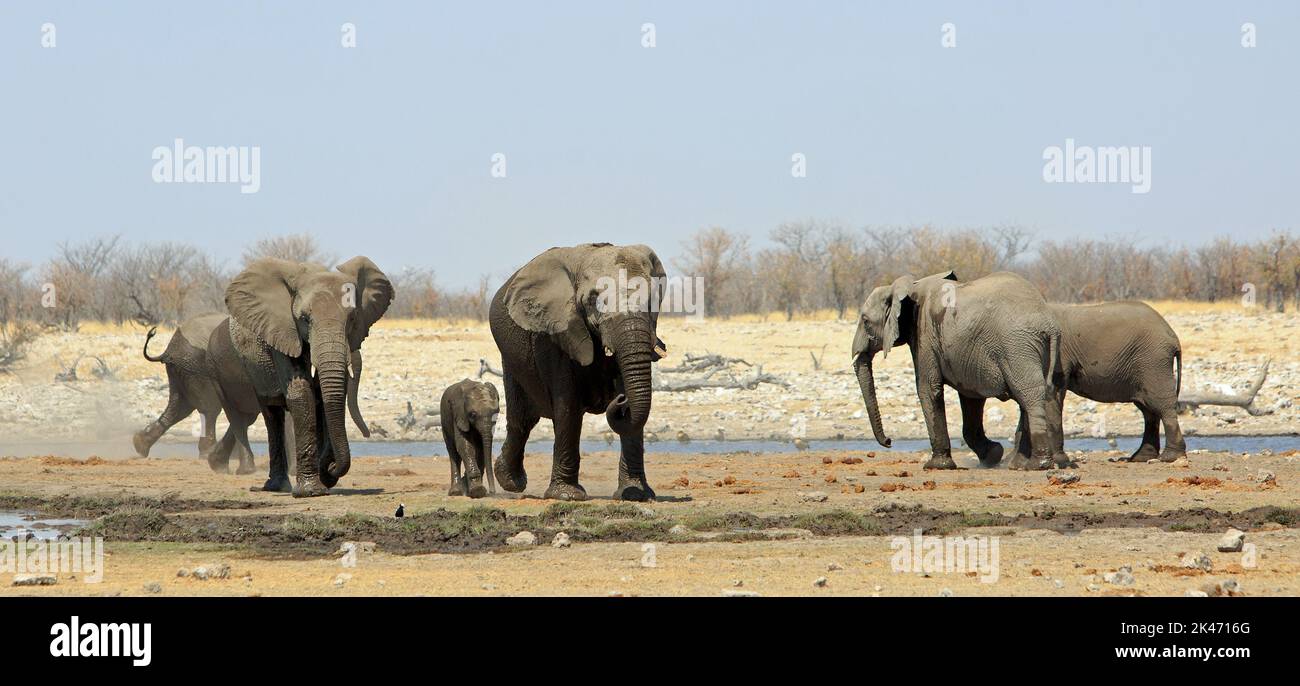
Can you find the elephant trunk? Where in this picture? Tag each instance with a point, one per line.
(867, 383)
(330, 356)
(634, 346)
(354, 381)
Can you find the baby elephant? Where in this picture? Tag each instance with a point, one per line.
(469, 413)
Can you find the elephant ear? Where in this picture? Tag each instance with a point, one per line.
(492, 391)
(260, 299)
(458, 408)
(899, 291)
(374, 295)
(542, 297)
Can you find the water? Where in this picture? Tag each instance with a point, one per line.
(1235, 444)
(18, 523)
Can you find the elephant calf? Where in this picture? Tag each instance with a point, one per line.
(469, 414)
(1124, 352)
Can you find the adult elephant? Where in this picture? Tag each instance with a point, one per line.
(574, 339)
(1123, 352)
(191, 388)
(286, 320)
(993, 337)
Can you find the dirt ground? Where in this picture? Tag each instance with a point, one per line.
(804, 523)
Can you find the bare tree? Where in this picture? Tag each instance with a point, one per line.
(298, 247)
(717, 256)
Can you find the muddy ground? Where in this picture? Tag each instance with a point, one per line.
(816, 522)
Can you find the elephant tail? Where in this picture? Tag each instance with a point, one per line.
(153, 331)
(1054, 361)
(1178, 372)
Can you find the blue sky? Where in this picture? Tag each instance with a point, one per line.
(386, 149)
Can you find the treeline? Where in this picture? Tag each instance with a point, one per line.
(808, 266)
(815, 265)
(111, 280)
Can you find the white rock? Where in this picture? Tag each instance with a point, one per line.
(1232, 541)
(522, 538)
(561, 540)
(34, 580)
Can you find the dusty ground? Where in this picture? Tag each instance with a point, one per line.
(736, 522)
(748, 525)
(413, 361)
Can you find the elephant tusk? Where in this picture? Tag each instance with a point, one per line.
(661, 350)
(609, 352)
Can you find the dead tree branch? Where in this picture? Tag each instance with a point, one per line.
(485, 367)
(1191, 401)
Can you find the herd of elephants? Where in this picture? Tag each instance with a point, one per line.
(291, 343)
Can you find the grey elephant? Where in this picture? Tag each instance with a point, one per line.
(469, 415)
(570, 345)
(190, 388)
(1123, 352)
(993, 337)
(286, 320)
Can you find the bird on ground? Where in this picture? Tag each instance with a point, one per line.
(401, 511)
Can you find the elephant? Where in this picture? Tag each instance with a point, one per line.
(469, 415)
(1121, 352)
(551, 320)
(993, 337)
(190, 388)
(294, 330)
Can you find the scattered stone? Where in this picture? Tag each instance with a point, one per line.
(1226, 587)
(833, 567)
(1094, 587)
(342, 579)
(1061, 478)
(738, 583)
(561, 540)
(945, 593)
(679, 530)
(216, 571)
(522, 538)
(153, 587)
(1232, 541)
(1058, 583)
(182, 572)
(729, 593)
(34, 580)
(1193, 593)
(812, 496)
(820, 582)
(1181, 462)
(1199, 561)
(1122, 577)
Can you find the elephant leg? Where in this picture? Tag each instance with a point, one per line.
(632, 483)
(1034, 401)
(468, 459)
(457, 486)
(178, 408)
(1056, 427)
(1175, 446)
(239, 426)
(278, 480)
(1023, 450)
(936, 421)
(972, 431)
(1150, 448)
(209, 437)
(566, 459)
(521, 417)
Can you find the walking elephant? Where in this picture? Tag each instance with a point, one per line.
(993, 337)
(190, 388)
(575, 340)
(294, 330)
(469, 412)
(1123, 352)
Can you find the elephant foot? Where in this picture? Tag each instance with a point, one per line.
(278, 484)
(1144, 453)
(329, 480)
(1171, 454)
(246, 467)
(310, 488)
(457, 487)
(938, 461)
(991, 456)
(1025, 462)
(142, 444)
(219, 464)
(635, 490)
(562, 491)
(514, 482)
(1063, 461)
(474, 487)
(205, 446)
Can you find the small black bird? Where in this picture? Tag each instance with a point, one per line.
(401, 510)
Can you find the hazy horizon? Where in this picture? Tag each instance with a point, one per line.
(606, 139)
